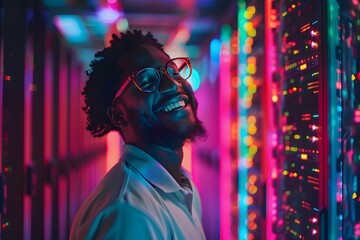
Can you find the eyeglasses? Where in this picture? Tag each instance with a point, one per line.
(148, 79)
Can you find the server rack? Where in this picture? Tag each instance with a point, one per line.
(49, 163)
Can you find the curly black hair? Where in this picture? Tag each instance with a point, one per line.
(103, 81)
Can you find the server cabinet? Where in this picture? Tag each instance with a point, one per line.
(49, 164)
(305, 166)
(317, 159)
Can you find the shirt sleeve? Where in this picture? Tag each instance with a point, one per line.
(121, 221)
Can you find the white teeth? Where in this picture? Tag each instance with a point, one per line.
(172, 106)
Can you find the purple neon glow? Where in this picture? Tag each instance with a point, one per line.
(108, 15)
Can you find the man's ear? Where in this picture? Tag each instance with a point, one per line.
(116, 116)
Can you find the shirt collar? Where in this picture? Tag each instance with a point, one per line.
(151, 169)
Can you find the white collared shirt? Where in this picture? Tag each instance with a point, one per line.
(139, 199)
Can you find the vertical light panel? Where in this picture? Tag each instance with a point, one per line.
(224, 120)
(243, 149)
(48, 132)
(63, 144)
(251, 114)
(269, 135)
(329, 174)
(234, 129)
(28, 90)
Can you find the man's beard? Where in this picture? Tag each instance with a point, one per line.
(175, 139)
(156, 133)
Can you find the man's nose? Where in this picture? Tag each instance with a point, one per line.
(167, 83)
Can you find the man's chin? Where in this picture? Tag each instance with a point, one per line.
(176, 138)
(172, 139)
(198, 132)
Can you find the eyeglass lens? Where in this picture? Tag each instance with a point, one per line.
(148, 79)
(178, 68)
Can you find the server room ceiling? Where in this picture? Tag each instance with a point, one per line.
(187, 22)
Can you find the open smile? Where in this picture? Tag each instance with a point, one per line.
(174, 104)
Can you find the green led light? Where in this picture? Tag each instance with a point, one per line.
(253, 149)
(225, 33)
(294, 149)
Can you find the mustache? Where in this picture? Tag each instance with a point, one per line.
(168, 96)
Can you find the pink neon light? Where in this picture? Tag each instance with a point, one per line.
(112, 149)
(357, 230)
(338, 85)
(270, 135)
(27, 131)
(225, 166)
(357, 116)
(48, 103)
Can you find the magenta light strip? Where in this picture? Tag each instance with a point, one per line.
(269, 131)
(225, 163)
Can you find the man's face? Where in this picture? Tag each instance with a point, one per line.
(148, 114)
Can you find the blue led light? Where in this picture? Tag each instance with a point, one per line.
(194, 80)
(215, 50)
(72, 27)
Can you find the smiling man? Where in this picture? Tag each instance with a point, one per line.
(135, 88)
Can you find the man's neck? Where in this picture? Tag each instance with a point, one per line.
(169, 158)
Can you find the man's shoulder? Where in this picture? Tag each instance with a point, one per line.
(121, 184)
(122, 187)
(105, 192)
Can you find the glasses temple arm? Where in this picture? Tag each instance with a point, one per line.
(121, 89)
